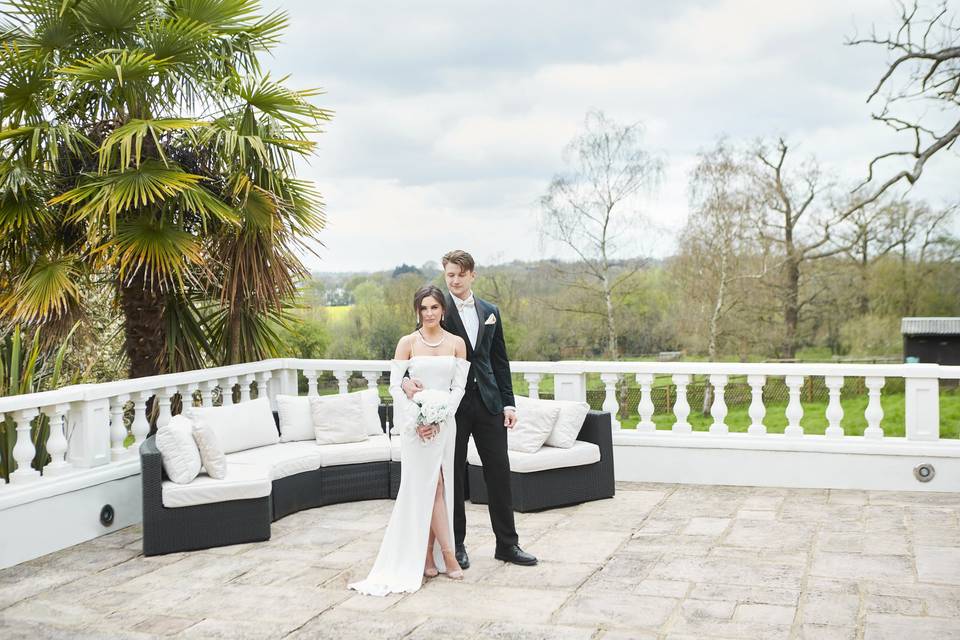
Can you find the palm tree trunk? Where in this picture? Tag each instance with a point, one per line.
(143, 326)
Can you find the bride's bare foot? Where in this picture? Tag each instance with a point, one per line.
(450, 559)
(430, 567)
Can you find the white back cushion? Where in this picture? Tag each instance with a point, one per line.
(296, 418)
(534, 424)
(211, 453)
(296, 421)
(371, 407)
(240, 426)
(568, 424)
(178, 451)
(340, 418)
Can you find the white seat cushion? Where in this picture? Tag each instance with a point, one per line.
(242, 482)
(283, 459)
(545, 458)
(373, 449)
(395, 449)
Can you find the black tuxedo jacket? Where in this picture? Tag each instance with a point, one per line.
(489, 364)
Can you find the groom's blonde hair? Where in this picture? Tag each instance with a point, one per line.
(460, 258)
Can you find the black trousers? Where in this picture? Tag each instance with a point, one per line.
(490, 436)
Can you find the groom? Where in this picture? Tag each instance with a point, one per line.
(486, 411)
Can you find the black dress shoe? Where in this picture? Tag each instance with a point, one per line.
(516, 555)
(462, 558)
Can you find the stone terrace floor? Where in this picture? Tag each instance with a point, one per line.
(657, 561)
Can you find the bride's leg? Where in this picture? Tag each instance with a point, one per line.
(430, 567)
(440, 526)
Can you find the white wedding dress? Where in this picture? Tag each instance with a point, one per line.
(400, 561)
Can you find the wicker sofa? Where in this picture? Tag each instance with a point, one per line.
(258, 496)
(556, 477)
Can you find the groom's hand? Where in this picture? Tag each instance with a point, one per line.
(411, 386)
(509, 418)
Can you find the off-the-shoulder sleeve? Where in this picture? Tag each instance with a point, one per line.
(458, 386)
(404, 409)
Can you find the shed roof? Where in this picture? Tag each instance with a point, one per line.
(930, 326)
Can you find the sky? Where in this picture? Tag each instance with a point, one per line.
(451, 117)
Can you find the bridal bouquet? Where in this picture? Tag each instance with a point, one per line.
(431, 406)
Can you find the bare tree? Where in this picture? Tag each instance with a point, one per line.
(595, 205)
(718, 251)
(795, 217)
(925, 69)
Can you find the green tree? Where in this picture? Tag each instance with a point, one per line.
(142, 140)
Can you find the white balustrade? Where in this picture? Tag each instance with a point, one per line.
(118, 429)
(533, 383)
(646, 409)
(794, 410)
(874, 411)
(311, 377)
(834, 413)
(757, 409)
(610, 403)
(343, 378)
(23, 450)
(718, 410)
(57, 442)
(140, 427)
(681, 408)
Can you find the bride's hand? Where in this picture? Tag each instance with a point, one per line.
(427, 431)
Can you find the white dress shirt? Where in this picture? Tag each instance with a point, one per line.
(468, 316)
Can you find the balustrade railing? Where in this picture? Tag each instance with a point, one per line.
(96, 425)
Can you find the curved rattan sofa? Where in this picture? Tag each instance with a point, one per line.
(187, 528)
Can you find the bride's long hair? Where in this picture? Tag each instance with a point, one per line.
(428, 291)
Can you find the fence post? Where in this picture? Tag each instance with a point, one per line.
(570, 386)
(922, 408)
(89, 433)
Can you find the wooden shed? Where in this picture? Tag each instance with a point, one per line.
(934, 340)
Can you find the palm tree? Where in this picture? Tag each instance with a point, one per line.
(141, 140)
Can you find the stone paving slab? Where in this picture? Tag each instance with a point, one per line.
(657, 561)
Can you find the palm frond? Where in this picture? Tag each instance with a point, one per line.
(129, 137)
(47, 289)
(160, 251)
(122, 66)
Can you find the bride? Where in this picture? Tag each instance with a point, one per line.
(422, 516)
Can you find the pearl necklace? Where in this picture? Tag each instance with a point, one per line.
(443, 337)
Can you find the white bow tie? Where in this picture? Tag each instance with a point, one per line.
(464, 304)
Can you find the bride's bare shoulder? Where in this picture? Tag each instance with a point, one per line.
(459, 346)
(404, 348)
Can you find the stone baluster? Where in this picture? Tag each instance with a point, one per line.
(645, 408)
(610, 403)
(206, 392)
(118, 429)
(140, 427)
(757, 409)
(874, 411)
(245, 383)
(263, 386)
(343, 377)
(23, 450)
(226, 391)
(57, 443)
(311, 377)
(834, 413)
(163, 405)
(681, 408)
(533, 382)
(794, 410)
(373, 380)
(718, 410)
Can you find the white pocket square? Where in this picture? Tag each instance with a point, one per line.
(491, 319)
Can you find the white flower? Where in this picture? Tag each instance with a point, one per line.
(432, 406)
